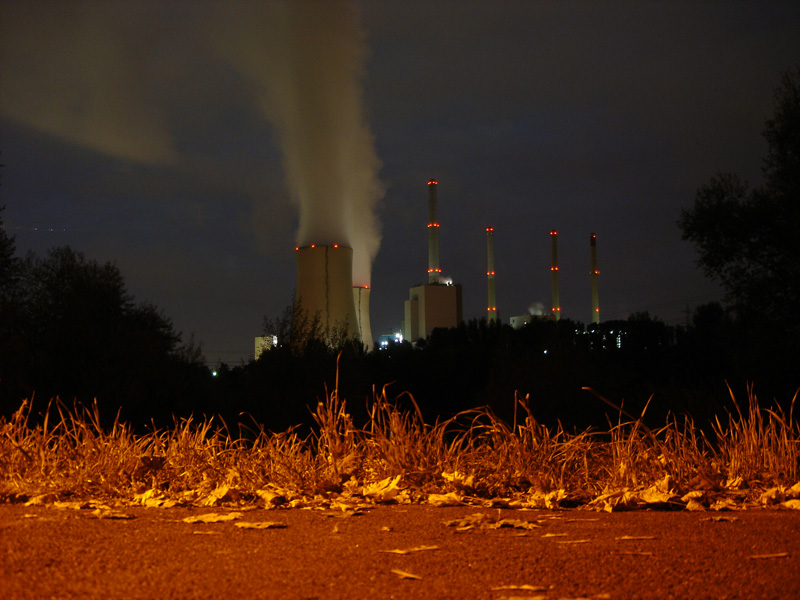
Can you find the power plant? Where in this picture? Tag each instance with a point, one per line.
(554, 271)
(325, 291)
(328, 297)
(491, 307)
(595, 273)
(437, 303)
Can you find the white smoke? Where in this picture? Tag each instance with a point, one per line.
(75, 71)
(536, 309)
(306, 61)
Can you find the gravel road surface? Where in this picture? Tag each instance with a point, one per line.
(397, 552)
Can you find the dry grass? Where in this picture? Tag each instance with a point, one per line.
(750, 459)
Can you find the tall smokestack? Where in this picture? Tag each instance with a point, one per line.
(554, 270)
(324, 289)
(434, 270)
(492, 306)
(595, 272)
(361, 301)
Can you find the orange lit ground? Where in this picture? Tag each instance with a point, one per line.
(56, 553)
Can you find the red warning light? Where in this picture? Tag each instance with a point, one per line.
(296, 248)
(313, 245)
(554, 268)
(490, 229)
(432, 182)
(433, 224)
(553, 232)
(336, 245)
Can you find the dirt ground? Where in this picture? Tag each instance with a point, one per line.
(401, 552)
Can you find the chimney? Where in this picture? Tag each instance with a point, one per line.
(324, 289)
(434, 271)
(554, 270)
(492, 306)
(361, 301)
(595, 272)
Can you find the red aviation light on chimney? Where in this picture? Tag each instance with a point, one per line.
(553, 232)
(432, 182)
(554, 268)
(433, 224)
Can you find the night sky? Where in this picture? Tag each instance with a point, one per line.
(143, 133)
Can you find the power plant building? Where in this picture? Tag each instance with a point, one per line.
(325, 292)
(430, 306)
(439, 302)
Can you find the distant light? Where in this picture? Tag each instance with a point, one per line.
(545, 351)
(213, 373)
(553, 232)
(335, 246)
(313, 245)
(432, 182)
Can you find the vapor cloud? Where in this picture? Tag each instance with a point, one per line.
(305, 62)
(74, 71)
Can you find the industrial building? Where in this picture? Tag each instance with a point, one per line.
(437, 303)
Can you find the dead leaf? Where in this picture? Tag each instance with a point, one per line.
(103, 513)
(574, 542)
(260, 525)
(271, 498)
(451, 499)
(775, 555)
(410, 550)
(382, 491)
(41, 500)
(213, 518)
(405, 574)
(635, 537)
(524, 587)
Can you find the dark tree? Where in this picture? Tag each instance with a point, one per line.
(747, 239)
(76, 332)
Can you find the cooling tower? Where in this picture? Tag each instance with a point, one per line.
(492, 306)
(554, 270)
(325, 288)
(361, 301)
(595, 272)
(434, 270)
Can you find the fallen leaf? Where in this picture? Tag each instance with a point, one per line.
(410, 550)
(574, 542)
(635, 553)
(382, 491)
(213, 518)
(405, 574)
(102, 513)
(635, 537)
(549, 535)
(524, 587)
(775, 555)
(792, 504)
(261, 525)
(451, 499)
(41, 499)
(77, 505)
(271, 498)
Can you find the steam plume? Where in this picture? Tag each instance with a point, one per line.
(307, 63)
